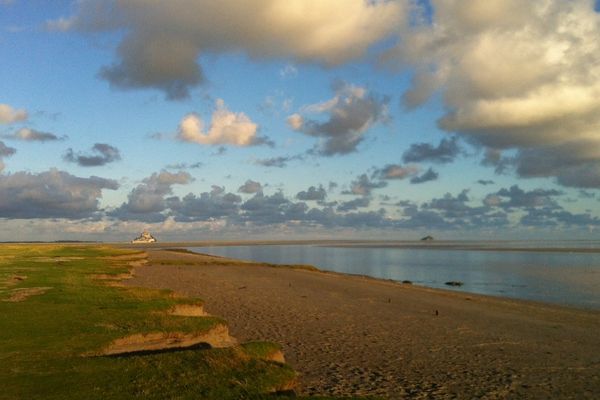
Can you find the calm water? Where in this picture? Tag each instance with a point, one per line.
(563, 278)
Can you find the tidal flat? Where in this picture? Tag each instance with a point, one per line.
(358, 336)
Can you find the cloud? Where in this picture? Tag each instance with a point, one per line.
(350, 113)
(269, 209)
(363, 186)
(180, 166)
(250, 187)
(574, 164)
(456, 213)
(584, 194)
(427, 176)
(32, 135)
(515, 197)
(444, 153)
(515, 75)
(501, 164)
(549, 217)
(288, 71)
(485, 182)
(226, 128)
(277, 162)
(355, 204)
(147, 201)
(312, 193)
(102, 154)
(6, 151)
(395, 171)
(163, 41)
(51, 194)
(207, 206)
(8, 114)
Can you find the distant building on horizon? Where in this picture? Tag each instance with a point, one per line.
(145, 237)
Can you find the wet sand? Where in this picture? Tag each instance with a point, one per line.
(350, 335)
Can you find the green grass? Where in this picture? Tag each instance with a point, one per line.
(46, 339)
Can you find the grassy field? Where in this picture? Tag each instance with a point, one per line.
(61, 310)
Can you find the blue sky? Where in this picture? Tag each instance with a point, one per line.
(285, 119)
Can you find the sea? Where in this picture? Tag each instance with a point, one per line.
(564, 273)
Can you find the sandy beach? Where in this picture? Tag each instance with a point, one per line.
(349, 335)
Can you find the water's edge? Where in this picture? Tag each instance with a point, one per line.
(557, 277)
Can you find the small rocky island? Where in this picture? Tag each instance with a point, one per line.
(427, 238)
(145, 237)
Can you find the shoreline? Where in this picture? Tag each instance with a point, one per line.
(456, 283)
(352, 335)
(437, 245)
(392, 282)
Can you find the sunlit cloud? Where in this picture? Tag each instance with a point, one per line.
(226, 128)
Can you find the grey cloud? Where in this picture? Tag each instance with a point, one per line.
(445, 152)
(266, 209)
(33, 135)
(277, 162)
(6, 151)
(214, 204)
(425, 219)
(515, 197)
(586, 175)
(351, 205)
(455, 206)
(427, 176)
(159, 72)
(312, 193)
(363, 186)
(350, 114)
(395, 171)
(51, 194)
(180, 166)
(250, 187)
(147, 201)
(162, 42)
(574, 164)
(586, 194)
(550, 217)
(455, 212)
(501, 164)
(485, 182)
(101, 154)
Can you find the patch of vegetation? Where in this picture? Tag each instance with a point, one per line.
(47, 338)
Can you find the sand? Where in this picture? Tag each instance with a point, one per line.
(350, 335)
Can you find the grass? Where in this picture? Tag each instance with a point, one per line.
(46, 339)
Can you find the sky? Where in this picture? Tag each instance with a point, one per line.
(297, 119)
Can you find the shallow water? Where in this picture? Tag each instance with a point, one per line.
(567, 278)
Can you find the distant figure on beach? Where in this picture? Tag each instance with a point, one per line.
(427, 238)
(145, 237)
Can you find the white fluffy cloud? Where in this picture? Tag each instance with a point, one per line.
(164, 39)
(226, 127)
(514, 75)
(9, 114)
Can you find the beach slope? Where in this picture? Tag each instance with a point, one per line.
(349, 335)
